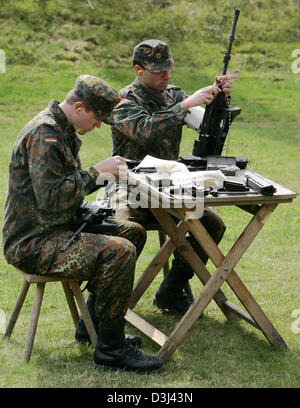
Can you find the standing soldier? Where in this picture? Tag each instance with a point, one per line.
(46, 187)
(149, 121)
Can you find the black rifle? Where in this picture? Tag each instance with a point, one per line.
(218, 115)
(90, 217)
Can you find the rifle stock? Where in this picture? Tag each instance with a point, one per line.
(90, 217)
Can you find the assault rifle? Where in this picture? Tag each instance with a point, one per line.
(90, 217)
(218, 115)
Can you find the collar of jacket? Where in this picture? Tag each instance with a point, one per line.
(66, 130)
(148, 95)
(60, 117)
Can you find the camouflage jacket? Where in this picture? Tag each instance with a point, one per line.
(46, 183)
(148, 122)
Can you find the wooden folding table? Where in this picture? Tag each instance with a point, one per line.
(260, 206)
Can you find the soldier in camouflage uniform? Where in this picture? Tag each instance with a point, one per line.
(149, 121)
(46, 187)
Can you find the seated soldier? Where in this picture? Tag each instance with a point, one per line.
(149, 121)
(46, 187)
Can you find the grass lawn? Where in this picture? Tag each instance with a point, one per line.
(48, 44)
(215, 353)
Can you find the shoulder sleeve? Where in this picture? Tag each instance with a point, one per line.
(132, 119)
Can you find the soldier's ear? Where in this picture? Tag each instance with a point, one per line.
(138, 69)
(78, 106)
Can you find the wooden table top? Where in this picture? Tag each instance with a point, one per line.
(282, 194)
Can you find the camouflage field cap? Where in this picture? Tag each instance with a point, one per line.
(153, 55)
(98, 95)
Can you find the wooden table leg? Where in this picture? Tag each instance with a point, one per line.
(162, 240)
(185, 248)
(150, 273)
(238, 287)
(154, 267)
(218, 278)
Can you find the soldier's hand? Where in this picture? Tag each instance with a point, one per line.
(226, 83)
(115, 166)
(202, 96)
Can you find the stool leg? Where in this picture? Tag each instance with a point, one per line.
(84, 311)
(17, 308)
(40, 287)
(71, 302)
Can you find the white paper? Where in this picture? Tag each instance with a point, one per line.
(161, 165)
(206, 178)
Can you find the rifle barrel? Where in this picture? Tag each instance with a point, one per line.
(73, 237)
(231, 38)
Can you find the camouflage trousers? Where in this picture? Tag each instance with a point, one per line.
(106, 262)
(211, 221)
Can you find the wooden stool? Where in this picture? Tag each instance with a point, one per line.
(71, 288)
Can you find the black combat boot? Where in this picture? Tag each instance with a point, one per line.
(114, 352)
(170, 295)
(81, 334)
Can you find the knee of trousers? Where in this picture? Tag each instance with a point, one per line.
(140, 237)
(124, 250)
(214, 225)
(117, 263)
(219, 231)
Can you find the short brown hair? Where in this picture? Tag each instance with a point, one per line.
(72, 98)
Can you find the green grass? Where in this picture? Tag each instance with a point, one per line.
(43, 64)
